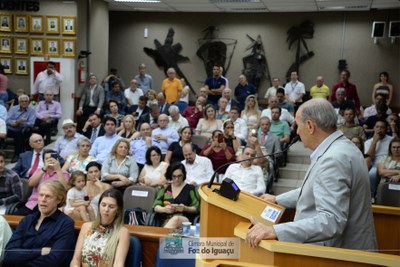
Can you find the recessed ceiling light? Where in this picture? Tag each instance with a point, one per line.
(139, 1)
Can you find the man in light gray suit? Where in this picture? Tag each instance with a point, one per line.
(267, 139)
(333, 206)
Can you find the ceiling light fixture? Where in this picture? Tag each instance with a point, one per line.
(139, 1)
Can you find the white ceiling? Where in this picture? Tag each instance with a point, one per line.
(253, 5)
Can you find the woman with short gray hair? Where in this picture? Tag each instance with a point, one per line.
(78, 161)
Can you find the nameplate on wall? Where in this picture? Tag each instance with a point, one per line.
(12, 5)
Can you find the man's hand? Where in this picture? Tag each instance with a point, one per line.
(269, 198)
(79, 112)
(45, 251)
(259, 232)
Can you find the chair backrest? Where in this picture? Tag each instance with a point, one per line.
(26, 189)
(134, 257)
(139, 196)
(388, 194)
(199, 140)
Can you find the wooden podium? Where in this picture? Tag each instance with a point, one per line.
(222, 217)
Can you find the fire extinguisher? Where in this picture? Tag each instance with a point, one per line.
(82, 73)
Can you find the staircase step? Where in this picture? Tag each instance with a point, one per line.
(294, 171)
(285, 184)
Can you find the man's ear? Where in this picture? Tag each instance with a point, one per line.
(310, 126)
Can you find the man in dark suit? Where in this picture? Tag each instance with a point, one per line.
(162, 103)
(152, 117)
(140, 110)
(227, 93)
(93, 127)
(21, 66)
(25, 165)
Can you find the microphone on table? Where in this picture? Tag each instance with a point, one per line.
(228, 187)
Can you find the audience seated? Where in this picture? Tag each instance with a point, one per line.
(370, 122)
(394, 125)
(79, 161)
(29, 161)
(128, 127)
(285, 114)
(50, 171)
(267, 139)
(176, 120)
(383, 87)
(48, 112)
(92, 100)
(78, 204)
(372, 110)
(243, 90)
(5, 236)
(153, 172)
(349, 128)
(151, 97)
(229, 136)
(350, 90)
(111, 78)
(171, 87)
(178, 202)
(105, 241)
(115, 112)
(67, 144)
(276, 84)
(20, 121)
(120, 169)
(199, 169)
(227, 93)
(132, 95)
(183, 102)
(279, 128)
(359, 142)
(377, 148)
(251, 113)
(140, 143)
(248, 177)
(240, 125)
(282, 102)
(93, 127)
(94, 187)
(163, 136)
(10, 186)
(162, 103)
(221, 113)
(102, 146)
(194, 113)
(218, 152)
(151, 117)
(44, 237)
(174, 153)
(209, 123)
(389, 166)
(117, 94)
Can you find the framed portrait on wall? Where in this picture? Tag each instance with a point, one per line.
(5, 23)
(21, 66)
(21, 45)
(53, 47)
(68, 25)
(21, 23)
(7, 64)
(68, 47)
(37, 46)
(6, 44)
(36, 24)
(52, 25)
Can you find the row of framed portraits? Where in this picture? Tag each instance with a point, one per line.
(38, 24)
(19, 65)
(38, 46)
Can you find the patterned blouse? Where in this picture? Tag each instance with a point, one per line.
(94, 245)
(78, 165)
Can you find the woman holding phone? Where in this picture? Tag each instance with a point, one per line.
(218, 151)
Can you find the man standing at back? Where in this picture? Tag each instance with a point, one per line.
(333, 206)
(215, 85)
(49, 79)
(294, 90)
(145, 80)
(171, 86)
(350, 89)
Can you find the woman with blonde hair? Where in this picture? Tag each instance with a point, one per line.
(105, 241)
(128, 127)
(120, 169)
(251, 113)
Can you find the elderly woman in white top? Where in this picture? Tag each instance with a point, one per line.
(120, 169)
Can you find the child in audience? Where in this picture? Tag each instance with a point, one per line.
(78, 204)
(151, 97)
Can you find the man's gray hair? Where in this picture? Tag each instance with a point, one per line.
(22, 97)
(173, 109)
(265, 118)
(321, 112)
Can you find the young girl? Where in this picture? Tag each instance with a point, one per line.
(78, 204)
(151, 97)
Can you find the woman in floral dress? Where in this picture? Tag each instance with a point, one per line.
(104, 242)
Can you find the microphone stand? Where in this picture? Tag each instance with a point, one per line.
(294, 140)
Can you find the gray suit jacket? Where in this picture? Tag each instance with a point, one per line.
(98, 97)
(272, 143)
(333, 206)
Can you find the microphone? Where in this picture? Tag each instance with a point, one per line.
(292, 142)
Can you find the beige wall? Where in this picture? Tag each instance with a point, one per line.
(365, 59)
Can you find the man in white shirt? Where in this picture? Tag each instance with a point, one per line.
(294, 90)
(48, 79)
(132, 95)
(198, 169)
(176, 120)
(240, 126)
(273, 103)
(248, 177)
(377, 148)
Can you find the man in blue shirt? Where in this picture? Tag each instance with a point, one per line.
(20, 121)
(163, 136)
(215, 85)
(243, 90)
(45, 237)
(145, 80)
